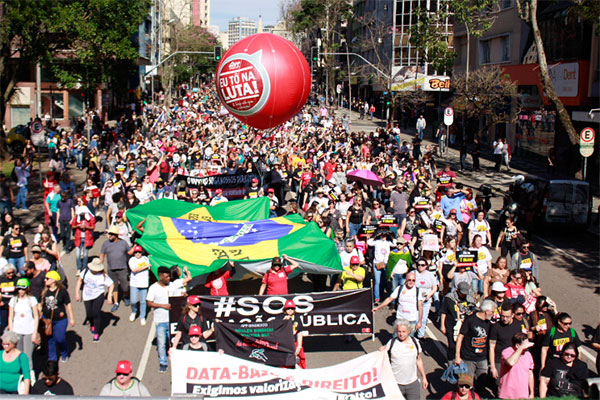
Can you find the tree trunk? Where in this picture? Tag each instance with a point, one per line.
(547, 81)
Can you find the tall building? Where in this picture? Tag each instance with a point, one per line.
(239, 28)
(201, 13)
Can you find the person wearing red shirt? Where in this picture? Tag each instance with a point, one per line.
(275, 279)
(464, 390)
(216, 281)
(516, 288)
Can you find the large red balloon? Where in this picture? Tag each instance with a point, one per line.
(263, 80)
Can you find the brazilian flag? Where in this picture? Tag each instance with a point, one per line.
(236, 210)
(395, 257)
(205, 246)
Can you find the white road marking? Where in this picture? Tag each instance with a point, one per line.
(564, 253)
(438, 342)
(146, 353)
(586, 353)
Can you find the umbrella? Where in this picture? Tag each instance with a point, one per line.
(365, 176)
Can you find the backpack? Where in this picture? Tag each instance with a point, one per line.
(395, 338)
(553, 333)
(400, 292)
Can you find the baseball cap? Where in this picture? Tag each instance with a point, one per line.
(195, 330)
(254, 180)
(137, 248)
(453, 211)
(193, 300)
(219, 191)
(465, 379)
(463, 287)
(498, 287)
(276, 261)
(289, 304)
(22, 283)
(123, 367)
(120, 213)
(270, 190)
(354, 260)
(53, 275)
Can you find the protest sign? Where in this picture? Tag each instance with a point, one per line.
(467, 258)
(270, 342)
(430, 242)
(219, 376)
(326, 313)
(233, 185)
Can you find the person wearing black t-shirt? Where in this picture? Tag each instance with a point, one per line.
(51, 383)
(565, 375)
(557, 337)
(189, 317)
(501, 335)
(455, 305)
(472, 342)
(14, 248)
(254, 191)
(298, 331)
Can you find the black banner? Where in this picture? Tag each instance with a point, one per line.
(233, 186)
(323, 313)
(177, 304)
(467, 258)
(271, 343)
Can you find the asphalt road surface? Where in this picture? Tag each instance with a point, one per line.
(569, 274)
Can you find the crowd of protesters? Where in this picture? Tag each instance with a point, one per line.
(503, 333)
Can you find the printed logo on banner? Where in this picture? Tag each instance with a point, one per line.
(243, 84)
(259, 354)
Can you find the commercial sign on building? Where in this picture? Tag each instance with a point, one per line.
(565, 78)
(412, 78)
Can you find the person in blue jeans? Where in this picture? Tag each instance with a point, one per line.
(138, 283)
(22, 171)
(57, 307)
(158, 298)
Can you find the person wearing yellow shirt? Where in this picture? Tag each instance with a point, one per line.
(352, 277)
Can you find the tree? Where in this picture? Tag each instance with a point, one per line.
(486, 94)
(528, 9)
(82, 42)
(325, 16)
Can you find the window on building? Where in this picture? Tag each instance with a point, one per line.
(505, 48)
(19, 115)
(53, 105)
(75, 105)
(484, 52)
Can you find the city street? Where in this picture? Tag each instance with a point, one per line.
(569, 265)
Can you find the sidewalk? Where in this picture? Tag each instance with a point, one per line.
(519, 165)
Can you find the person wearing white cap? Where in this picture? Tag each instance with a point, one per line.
(95, 282)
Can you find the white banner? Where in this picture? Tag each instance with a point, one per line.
(413, 78)
(219, 376)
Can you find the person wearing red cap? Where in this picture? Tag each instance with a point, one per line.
(254, 191)
(274, 202)
(275, 279)
(289, 308)
(197, 336)
(124, 384)
(352, 277)
(190, 317)
(218, 198)
(139, 279)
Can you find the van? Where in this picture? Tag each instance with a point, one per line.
(566, 201)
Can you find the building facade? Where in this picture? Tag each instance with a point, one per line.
(239, 28)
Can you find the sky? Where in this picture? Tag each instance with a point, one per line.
(224, 10)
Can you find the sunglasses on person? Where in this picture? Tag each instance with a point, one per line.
(567, 323)
(518, 314)
(465, 386)
(122, 374)
(570, 355)
(410, 280)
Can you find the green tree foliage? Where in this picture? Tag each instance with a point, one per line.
(83, 42)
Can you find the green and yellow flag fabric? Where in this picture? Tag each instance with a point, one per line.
(205, 246)
(236, 210)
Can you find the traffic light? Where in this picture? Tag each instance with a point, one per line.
(217, 53)
(314, 54)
